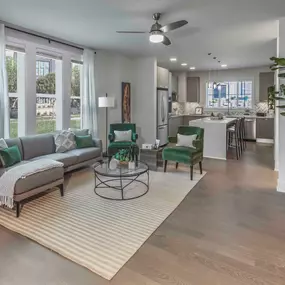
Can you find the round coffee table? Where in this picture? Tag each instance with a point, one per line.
(120, 180)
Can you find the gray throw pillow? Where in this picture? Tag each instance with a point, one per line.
(64, 141)
(78, 132)
(123, 136)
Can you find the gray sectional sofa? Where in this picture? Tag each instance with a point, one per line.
(43, 146)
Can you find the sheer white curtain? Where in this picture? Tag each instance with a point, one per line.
(4, 97)
(89, 100)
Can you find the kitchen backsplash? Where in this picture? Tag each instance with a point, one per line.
(189, 109)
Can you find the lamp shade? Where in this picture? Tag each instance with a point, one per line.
(106, 102)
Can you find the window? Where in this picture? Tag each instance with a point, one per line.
(236, 94)
(76, 87)
(12, 74)
(42, 67)
(46, 94)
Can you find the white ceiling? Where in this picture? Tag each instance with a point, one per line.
(240, 33)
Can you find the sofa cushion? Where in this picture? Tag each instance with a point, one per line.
(3, 170)
(64, 141)
(18, 143)
(37, 145)
(84, 154)
(39, 179)
(66, 158)
(10, 156)
(84, 141)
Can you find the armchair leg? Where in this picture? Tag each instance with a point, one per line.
(176, 165)
(191, 172)
(165, 165)
(201, 169)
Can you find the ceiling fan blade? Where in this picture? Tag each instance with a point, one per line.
(130, 32)
(173, 26)
(166, 41)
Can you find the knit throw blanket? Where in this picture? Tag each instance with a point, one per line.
(9, 179)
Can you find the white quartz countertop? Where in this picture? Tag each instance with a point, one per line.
(209, 121)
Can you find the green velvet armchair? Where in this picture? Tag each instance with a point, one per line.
(185, 155)
(114, 146)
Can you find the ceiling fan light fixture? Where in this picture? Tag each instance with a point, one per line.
(156, 37)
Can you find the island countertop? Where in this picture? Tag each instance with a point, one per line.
(208, 120)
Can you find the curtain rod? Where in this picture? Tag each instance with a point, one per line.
(45, 38)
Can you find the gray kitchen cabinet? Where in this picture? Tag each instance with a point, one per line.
(174, 83)
(174, 123)
(266, 79)
(162, 77)
(265, 128)
(193, 89)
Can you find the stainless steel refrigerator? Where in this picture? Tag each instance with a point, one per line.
(162, 116)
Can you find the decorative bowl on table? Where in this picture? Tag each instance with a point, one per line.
(218, 117)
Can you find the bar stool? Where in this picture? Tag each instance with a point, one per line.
(234, 138)
(243, 134)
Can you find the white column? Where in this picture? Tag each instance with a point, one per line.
(281, 119)
(28, 113)
(21, 75)
(63, 92)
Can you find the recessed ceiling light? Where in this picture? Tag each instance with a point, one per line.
(192, 68)
(173, 59)
(224, 65)
(183, 64)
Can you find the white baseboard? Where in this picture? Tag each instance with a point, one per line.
(280, 186)
(212, 157)
(269, 141)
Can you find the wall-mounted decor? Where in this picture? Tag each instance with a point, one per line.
(126, 102)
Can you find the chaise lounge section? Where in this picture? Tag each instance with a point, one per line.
(37, 147)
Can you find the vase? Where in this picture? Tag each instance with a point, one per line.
(132, 165)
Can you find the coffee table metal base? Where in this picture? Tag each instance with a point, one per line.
(120, 187)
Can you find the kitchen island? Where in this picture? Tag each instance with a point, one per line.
(215, 136)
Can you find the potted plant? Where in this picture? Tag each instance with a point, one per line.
(279, 64)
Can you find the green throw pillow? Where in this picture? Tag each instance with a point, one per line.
(10, 156)
(84, 141)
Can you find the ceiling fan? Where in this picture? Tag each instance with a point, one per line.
(157, 31)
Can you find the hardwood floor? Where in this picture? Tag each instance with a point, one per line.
(230, 230)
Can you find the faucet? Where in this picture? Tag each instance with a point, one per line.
(229, 103)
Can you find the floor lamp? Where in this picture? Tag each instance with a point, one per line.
(106, 102)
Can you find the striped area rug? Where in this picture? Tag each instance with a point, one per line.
(96, 233)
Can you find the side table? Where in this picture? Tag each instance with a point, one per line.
(152, 157)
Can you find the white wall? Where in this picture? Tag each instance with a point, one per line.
(111, 70)
(225, 75)
(280, 120)
(144, 99)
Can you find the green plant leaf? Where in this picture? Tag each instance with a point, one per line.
(280, 106)
(282, 113)
(282, 75)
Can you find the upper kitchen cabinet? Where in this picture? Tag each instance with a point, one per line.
(266, 79)
(174, 83)
(162, 77)
(193, 89)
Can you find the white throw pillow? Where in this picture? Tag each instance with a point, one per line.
(64, 141)
(187, 141)
(123, 136)
(3, 144)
